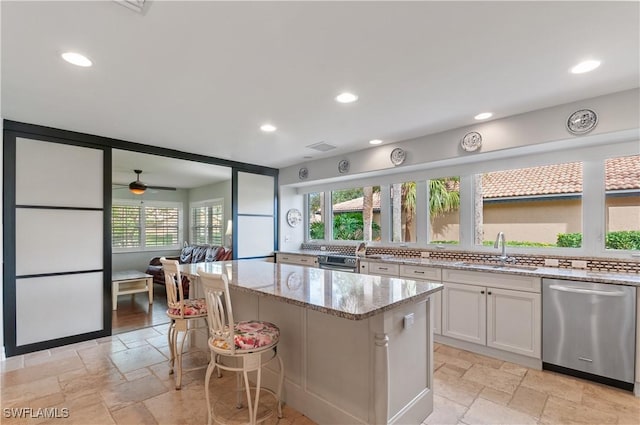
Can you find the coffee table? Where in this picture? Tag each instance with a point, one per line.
(130, 282)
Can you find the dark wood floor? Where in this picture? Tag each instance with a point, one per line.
(134, 311)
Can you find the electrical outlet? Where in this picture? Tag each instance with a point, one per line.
(578, 264)
(424, 254)
(551, 262)
(408, 321)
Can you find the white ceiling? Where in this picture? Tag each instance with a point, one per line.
(164, 171)
(202, 77)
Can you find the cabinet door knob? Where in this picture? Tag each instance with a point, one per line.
(489, 292)
(482, 292)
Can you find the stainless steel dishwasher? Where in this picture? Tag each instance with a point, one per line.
(589, 330)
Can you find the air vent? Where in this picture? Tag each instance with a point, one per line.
(321, 146)
(135, 5)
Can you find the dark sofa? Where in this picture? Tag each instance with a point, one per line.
(189, 254)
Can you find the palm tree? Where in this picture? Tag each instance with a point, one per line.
(408, 207)
(367, 212)
(444, 196)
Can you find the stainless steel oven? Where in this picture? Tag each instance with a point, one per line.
(343, 263)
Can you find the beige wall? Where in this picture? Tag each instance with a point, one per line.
(623, 213)
(540, 221)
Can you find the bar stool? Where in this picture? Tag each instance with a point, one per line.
(244, 341)
(183, 314)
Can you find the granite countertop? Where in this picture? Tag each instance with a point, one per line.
(630, 279)
(348, 295)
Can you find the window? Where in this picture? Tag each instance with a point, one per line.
(315, 215)
(534, 207)
(403, 212)
(622, 203)
(356, 214)
(141, 226)
(443, 196)
(125, 226)
(207, 220)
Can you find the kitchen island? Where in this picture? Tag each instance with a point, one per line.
(356, 348)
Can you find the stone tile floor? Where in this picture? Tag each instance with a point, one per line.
(474, 389)
(124, 379)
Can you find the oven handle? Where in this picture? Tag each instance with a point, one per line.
(586, 291)
(338, 268)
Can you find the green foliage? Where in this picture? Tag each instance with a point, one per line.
(338, 196)
(626, 239)
(569, 240)
(316, 230)
(443, 196)
(349, 226)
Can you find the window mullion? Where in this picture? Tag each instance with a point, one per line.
(593, 207)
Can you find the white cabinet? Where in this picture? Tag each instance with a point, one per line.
(384, 269)
(514, 321)
(431, 274)
(464, 312)
(298, 259)
(481, 311)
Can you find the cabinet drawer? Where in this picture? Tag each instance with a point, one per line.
(384, 269)
(420, 272)
(302, 260)
(495, 280)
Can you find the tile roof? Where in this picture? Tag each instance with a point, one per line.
(621, 173)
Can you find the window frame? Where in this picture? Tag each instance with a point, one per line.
(142, 217)
(593, 195)
(208, 203)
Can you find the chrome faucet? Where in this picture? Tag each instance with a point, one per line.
(500, 240)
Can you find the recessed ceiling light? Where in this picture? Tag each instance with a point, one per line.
(77, 59)
(375, 141)
(268, 128)
(585, 66)
(483, 116)
(346, 97)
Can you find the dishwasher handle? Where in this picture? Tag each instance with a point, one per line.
(587, 291)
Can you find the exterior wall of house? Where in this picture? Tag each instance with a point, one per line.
(533, 221)
(530, 221)
(623, 213)
(539, 221)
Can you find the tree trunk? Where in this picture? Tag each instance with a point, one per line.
(367, 212)
(396, 194)
(477, 209)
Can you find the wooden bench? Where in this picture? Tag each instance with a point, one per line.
(130, 282)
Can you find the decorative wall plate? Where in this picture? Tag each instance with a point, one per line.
(582, 121)
(398, 156)
(294, 217)
(343, 166)
(471, 141)
(303, 173)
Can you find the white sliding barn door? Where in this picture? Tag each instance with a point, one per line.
(255, 219)
(59, 243)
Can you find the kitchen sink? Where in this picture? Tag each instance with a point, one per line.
(497, 266)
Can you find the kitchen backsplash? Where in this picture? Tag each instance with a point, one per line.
(594, 264)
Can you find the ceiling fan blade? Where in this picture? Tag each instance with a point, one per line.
(161, 187)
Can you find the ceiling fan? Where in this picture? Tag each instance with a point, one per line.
(138, 188)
